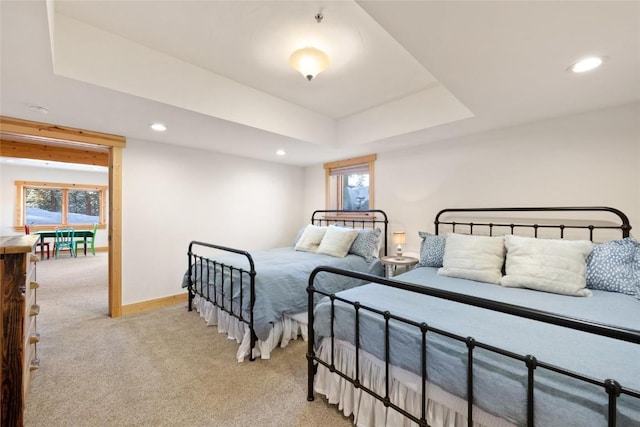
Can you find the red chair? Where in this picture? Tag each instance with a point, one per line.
(40, 243)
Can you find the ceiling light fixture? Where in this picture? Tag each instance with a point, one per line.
(586, 64)
(309, 60)
(158, 127)
(281, 152)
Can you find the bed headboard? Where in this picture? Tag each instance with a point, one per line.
(555, 221)
(371, 218)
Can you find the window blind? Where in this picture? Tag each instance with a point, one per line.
(362, 168)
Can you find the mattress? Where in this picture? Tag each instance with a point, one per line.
(282, 276)
(499, 381)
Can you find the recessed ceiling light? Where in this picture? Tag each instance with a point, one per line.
(158, 127)
(38, 109)
(281, 152)
(586, 64)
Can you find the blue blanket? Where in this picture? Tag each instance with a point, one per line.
(282, 276)
(500, 382)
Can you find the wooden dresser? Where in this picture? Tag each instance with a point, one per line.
(19, 310)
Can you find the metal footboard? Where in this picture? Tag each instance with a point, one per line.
(550, 221)
(206, 270)
(612, 387)
(208, 277)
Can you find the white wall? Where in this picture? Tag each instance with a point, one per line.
(173, 195)
(11, 173)
(587, 159)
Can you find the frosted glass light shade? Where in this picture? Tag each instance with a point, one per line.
(309, 61)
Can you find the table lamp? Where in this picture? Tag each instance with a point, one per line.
(399, 238)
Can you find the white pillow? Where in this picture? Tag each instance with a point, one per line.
(337, 241)
(311, 238)
(473, 257)
(551, 265)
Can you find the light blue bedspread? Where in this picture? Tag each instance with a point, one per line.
(282, 276)
(500, 382)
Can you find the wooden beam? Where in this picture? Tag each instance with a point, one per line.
(53, 153)
(115, 232)
(44, 132)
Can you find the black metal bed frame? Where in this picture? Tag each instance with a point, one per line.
(203, 265)
(624, 226)
(612, 387)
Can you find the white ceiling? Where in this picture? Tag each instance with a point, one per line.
(52, 165)
(401, 74)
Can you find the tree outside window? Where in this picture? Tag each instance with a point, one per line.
(43, 206)
(84, 207)
(355, 192)
(51, 204)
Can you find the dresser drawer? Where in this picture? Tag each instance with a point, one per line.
(31, 364)
(18, 314)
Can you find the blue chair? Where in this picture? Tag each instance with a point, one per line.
(90, 241)
(64, 240)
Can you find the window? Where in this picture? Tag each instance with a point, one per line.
(43, 203)
(349, 183)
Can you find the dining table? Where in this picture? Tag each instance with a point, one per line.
(52, 234)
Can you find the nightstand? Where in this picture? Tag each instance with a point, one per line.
(391, 263)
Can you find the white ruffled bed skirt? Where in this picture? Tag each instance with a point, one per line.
(287, 329)
(443, 409)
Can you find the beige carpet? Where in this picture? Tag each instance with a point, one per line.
(158, 368)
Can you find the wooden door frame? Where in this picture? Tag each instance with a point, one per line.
(58, 143)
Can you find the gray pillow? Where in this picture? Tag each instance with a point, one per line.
(431, 250)
(615, 267)
(366, 243)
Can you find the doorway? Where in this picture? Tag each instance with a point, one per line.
(34, 140)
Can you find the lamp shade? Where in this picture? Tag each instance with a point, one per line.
(399, 238)
(309, 61)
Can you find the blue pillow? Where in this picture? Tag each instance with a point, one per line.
(431, 250)
(367, 243)
(615, 267)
